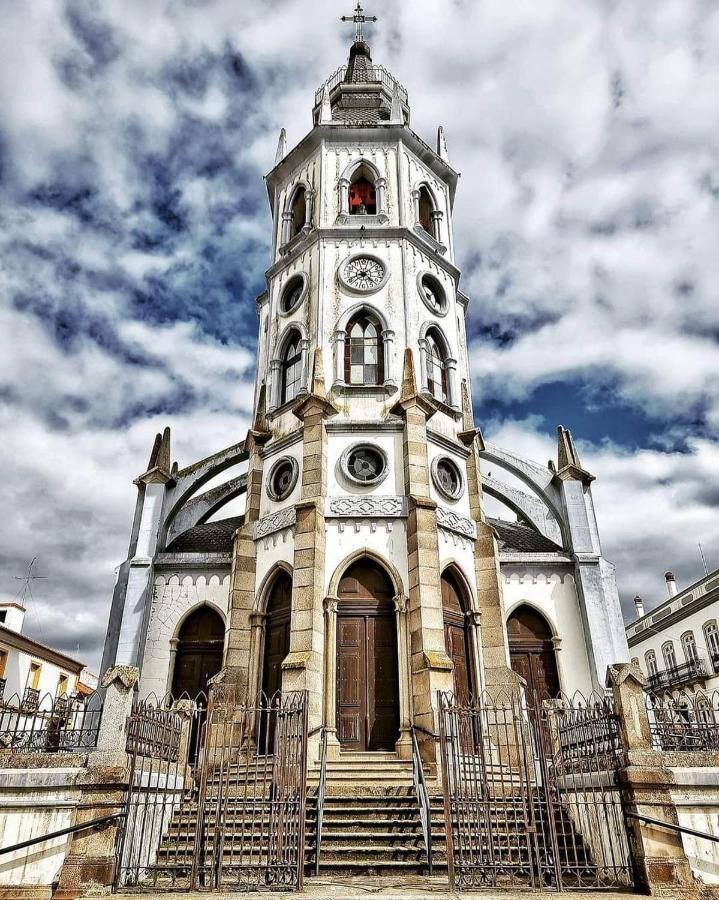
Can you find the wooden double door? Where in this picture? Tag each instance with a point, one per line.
(532, 654)
(367, 661)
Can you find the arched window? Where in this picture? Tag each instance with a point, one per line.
(689, 645)
(436, 369)
(291, 369)
(711, 636)
(362, 193)
(299, 212)
(364, 354)
(426, 208)
(650, 659)
(669, 654)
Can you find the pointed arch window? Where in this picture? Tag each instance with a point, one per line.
(650, 659)
(298, 210)
(427, 214)
(297, 215)
(362, 193)
(669, 654)
(364, 351)
(711, 636)
(291, 369)
(689, 645)
(436, 370)
(426, 208)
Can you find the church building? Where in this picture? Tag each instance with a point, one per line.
(365, 569)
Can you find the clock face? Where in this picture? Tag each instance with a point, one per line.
(364, 273)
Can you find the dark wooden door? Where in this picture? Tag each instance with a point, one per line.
(456, 638)
(199, 652)
(532, 655)
(277, 646)
(367, 663)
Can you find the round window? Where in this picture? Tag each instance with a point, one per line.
(447, 477)
(282, 478)
(364, 464)
(292, 294)
(432, 294)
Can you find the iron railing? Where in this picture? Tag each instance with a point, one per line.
(423, 801)
(31, 699)
(153, 731)
(376, 75)
(320, 800)
(684, 722)
(50, 724)
(3, 682)
(714, 657)
(682, 673)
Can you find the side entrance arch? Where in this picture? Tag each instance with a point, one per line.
(200, 643)
(367, 712)
(457, 637)
(532, 655)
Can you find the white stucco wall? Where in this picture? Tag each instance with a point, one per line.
(17, 671)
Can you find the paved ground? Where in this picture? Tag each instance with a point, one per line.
(409, 887)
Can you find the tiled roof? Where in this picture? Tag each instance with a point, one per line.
(522, 539)
(211, 537)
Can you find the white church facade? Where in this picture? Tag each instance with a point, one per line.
(365, 569)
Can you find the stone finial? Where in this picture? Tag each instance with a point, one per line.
(159, 467)
(123, 676)
(469, 430)
(396, 117)
(318, 375)
(325, 108)
(442, 151)
(260, 423)
(281, 147)
(409, 382)
(569, 468)
(620, 673)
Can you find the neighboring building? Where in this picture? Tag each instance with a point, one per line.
(31, 671)
(365, 535)
(677, 643)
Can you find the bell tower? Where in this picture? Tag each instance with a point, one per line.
(363, 488)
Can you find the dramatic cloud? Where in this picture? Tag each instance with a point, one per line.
(134, 233)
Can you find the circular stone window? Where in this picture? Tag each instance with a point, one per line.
(293, 293)
(282, 478)
(432, 294)
(364, 464)
(447, 478)
(363, 274)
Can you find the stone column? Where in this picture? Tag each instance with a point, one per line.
(431, 668)
(381, 186)
(344, 196)
(91, 857)
(387, 341)
(404, 744)
(494, 647)
(275, 383)
(257, 644)
(437, 225)
(309, 195)
(451, 368)
(660, 863)
(330, 682)
(340, 338)
(303, 667)
(243, 575)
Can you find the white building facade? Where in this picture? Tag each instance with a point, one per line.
(365, 569)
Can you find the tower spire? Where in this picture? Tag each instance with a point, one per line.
(359, 18)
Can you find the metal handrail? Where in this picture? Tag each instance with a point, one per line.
(320, 799)
(420, 789)
(680, 673)
(72, 829)
(672, 827)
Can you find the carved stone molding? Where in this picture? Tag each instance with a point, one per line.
(366, 507)
(450, 520)
(276, 521)
(401, 602)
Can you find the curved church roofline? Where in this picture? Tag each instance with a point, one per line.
(528, 506)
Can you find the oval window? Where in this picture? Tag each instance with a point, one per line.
(447, 478)
(292, 294)
(364, 464)
(282, 478)
(432, 293)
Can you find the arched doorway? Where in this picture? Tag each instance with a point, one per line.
(457, 638)
(200, 643)
(367, 660)
(531, 651)
(277, 633)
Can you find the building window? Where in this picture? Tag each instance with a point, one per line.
(364, 354)
(364, 464)
(447, 478)
(436, 370)
(3, 662)
(3, 616)
(650, 659)
(299, 212)
(689, 645)
(711, 636)
(426, 209)
(362, 193)
(291, 374)
(293, 294)
(432, 294)
(669, 654)
(282, 478)
(33, 678)
(63, 685)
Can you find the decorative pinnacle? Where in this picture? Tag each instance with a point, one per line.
(359, 18)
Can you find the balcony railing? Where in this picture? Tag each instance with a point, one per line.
(683, 673)
(714, 657)
(376, 75)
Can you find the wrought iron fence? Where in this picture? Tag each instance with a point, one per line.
(685, 721)
(50, 724)
(531, 794)
(216, 801)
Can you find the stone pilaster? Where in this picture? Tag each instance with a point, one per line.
(494, 649)
(430, 666)
(303, 666)
(660, 863)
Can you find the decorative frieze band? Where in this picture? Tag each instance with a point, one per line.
(454, 522)
(366, 507)
(276, 521)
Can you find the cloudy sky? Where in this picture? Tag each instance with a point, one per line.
(134, 235)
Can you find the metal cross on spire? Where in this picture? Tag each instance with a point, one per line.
(359, 18)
